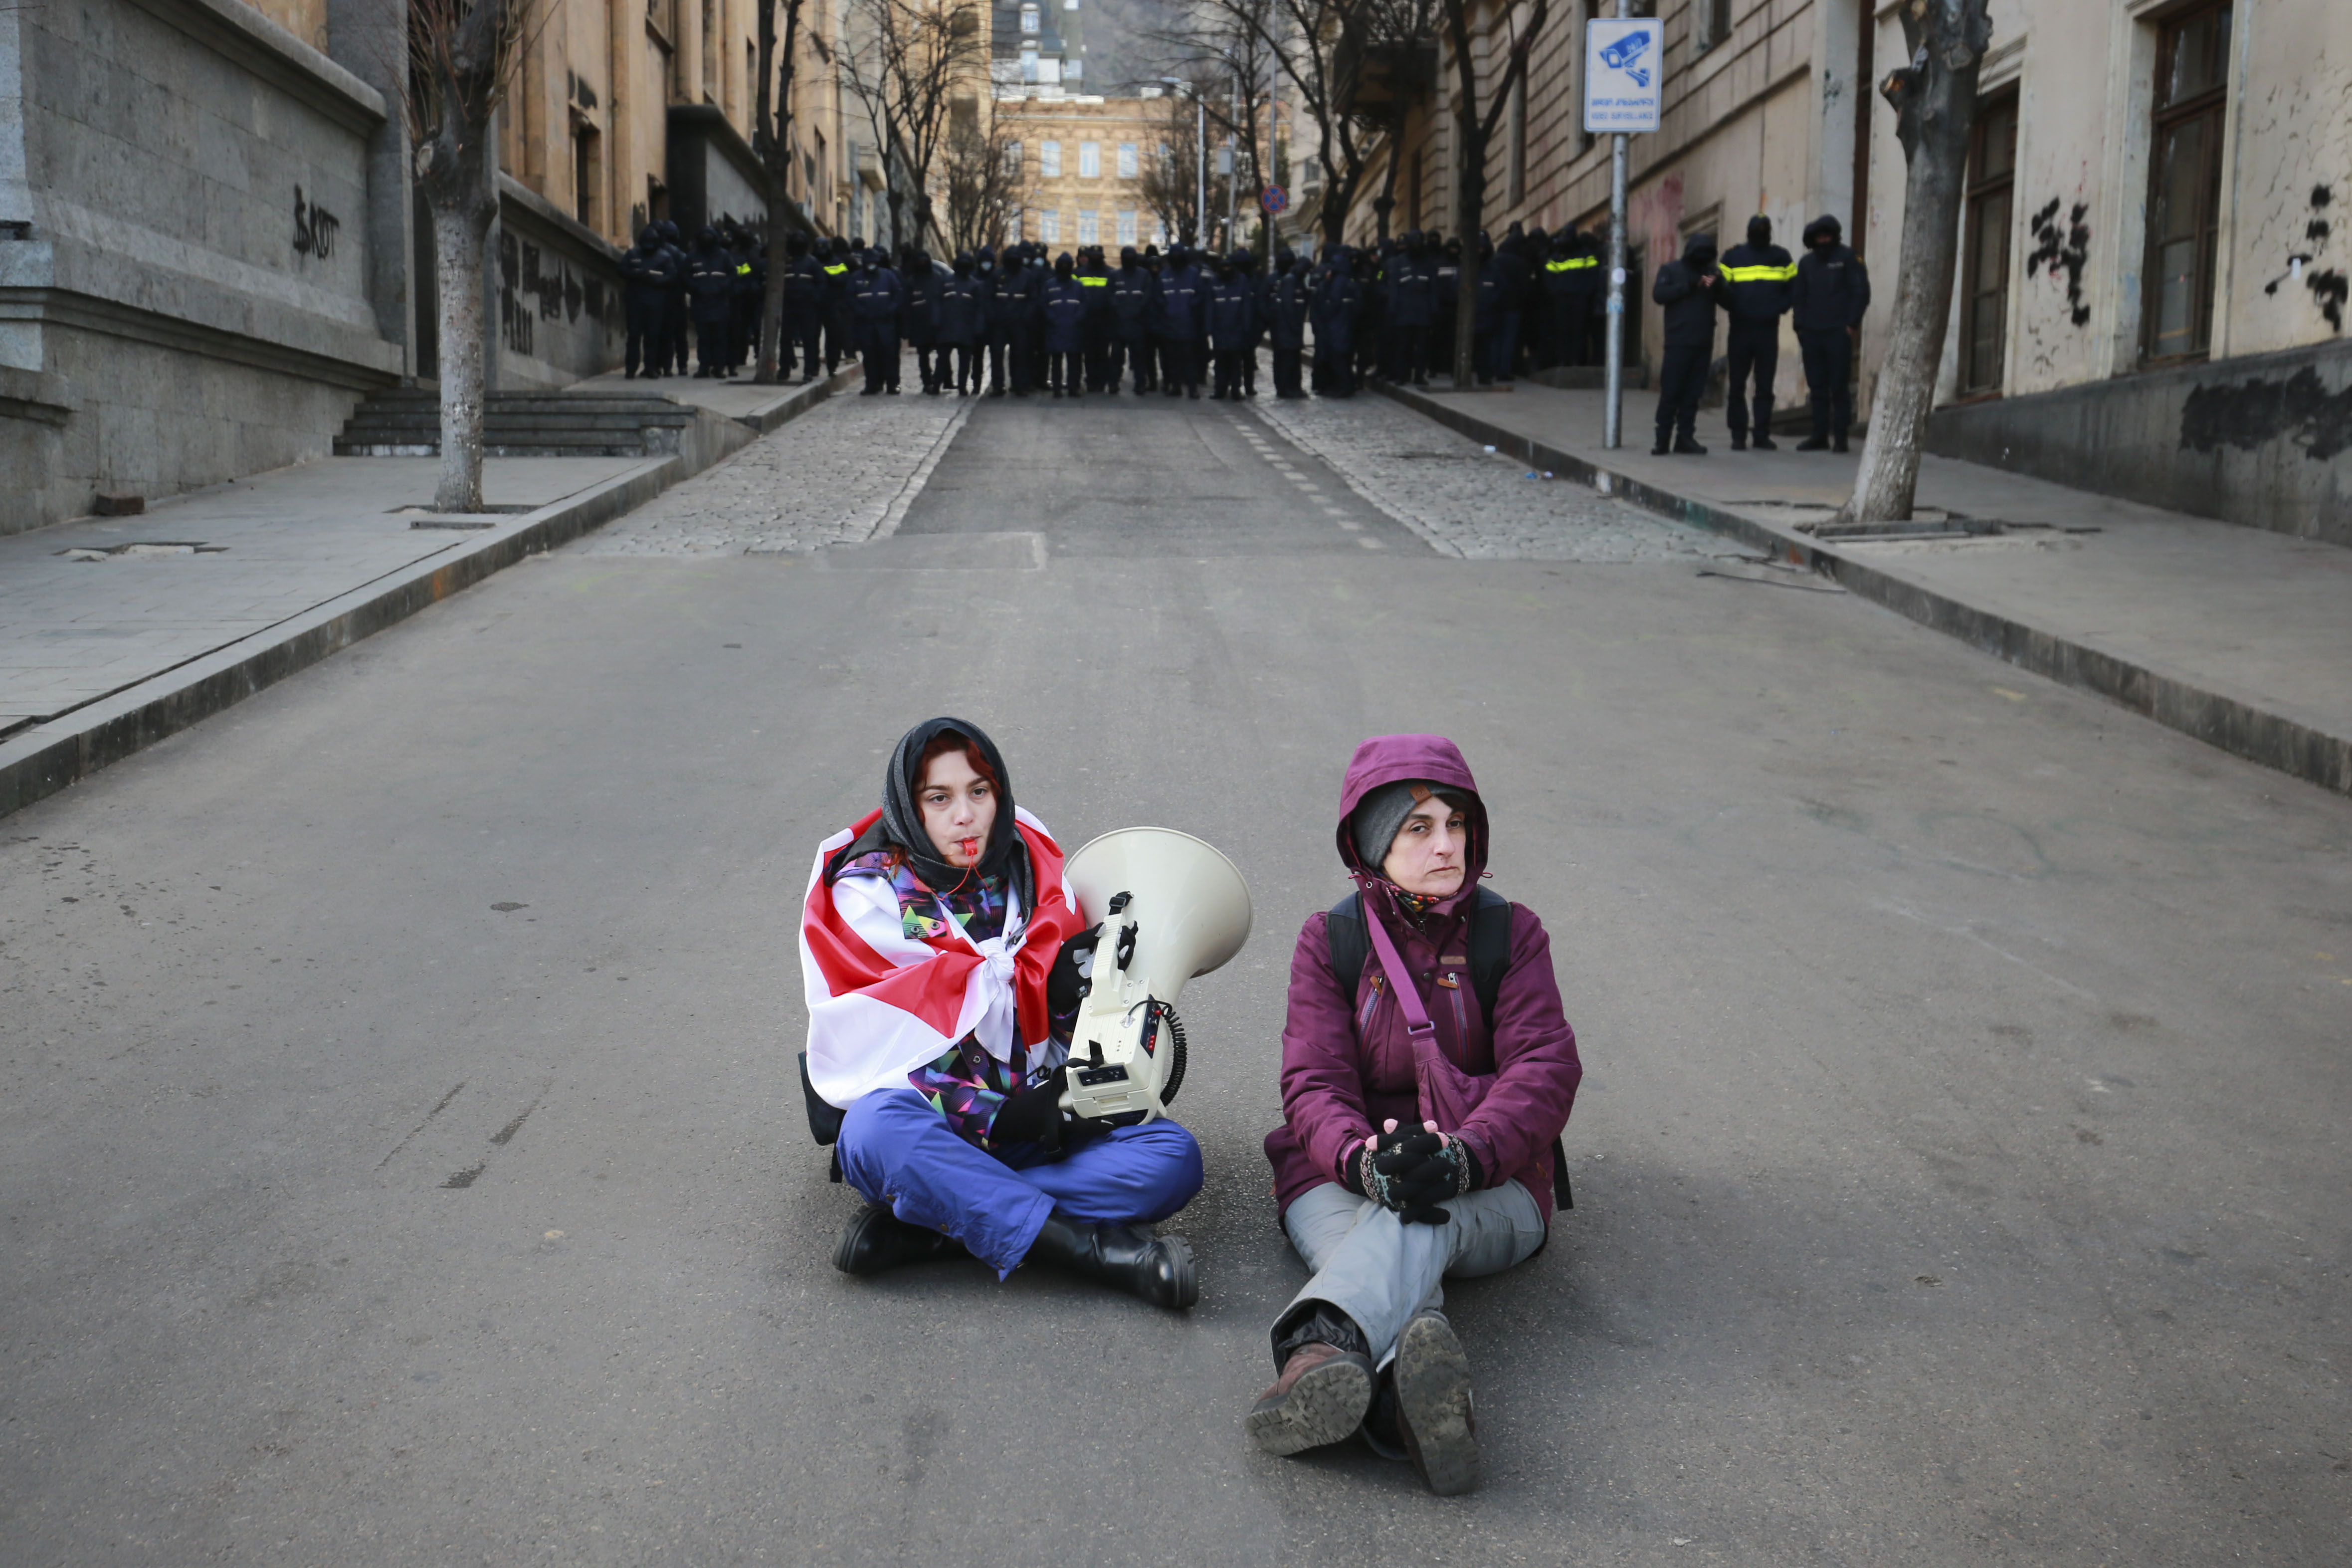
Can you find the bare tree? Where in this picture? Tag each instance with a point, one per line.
(981, 180)
(771, 122)
(1473, 133)
(906, 62)
(1222, 49)
(1169, 182)
(462, 55)
(1935, 100)
(1333, 53)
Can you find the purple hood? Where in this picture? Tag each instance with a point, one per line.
(1385, 759)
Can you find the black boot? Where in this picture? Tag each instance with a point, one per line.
(1814, 444)
(1688, 446)
(875, 1239)
(1157, 1269)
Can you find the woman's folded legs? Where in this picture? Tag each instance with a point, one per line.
(1368, 1326)
(895, 1150)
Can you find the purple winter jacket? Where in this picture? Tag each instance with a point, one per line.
(1347, 1061)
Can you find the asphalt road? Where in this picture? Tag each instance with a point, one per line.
(403, 1159)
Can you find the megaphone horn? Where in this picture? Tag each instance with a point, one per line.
(1172, 908)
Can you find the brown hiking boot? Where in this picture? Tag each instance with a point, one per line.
(1433, 1406)
(1320, 1397)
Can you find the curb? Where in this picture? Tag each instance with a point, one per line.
(792, 404)
(47, 758)
(2236, 725)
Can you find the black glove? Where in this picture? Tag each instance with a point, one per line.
(1034, 1115)
(1417, 1173)
(1382, 1163)
(1065, 986)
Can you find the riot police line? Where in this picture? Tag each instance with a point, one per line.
(1014, 323)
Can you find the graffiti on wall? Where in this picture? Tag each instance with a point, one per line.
(2063, 252)
(2249, 414)
(2329, 286)
(314, 229)
(535, 287)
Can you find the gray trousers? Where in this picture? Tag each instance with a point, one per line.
(1380, 1271)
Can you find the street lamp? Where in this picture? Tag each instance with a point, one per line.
(1200, 158)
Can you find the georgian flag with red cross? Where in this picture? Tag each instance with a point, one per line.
(882, 1003)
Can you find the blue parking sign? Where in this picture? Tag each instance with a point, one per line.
(1624, 74)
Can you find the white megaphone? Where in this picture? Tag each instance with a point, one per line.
(1171, 908)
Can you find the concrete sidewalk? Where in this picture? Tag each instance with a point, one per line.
(115, 632)
(2238, 637)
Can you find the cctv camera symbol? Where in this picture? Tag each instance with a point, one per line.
(1621, 55)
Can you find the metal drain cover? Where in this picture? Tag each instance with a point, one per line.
(142, 550)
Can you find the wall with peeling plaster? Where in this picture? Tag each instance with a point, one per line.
(2084, 408)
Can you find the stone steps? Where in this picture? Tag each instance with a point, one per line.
(407, 423)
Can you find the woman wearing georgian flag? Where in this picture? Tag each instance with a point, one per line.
(942, 955)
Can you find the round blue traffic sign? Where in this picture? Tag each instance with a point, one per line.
(1273, 199)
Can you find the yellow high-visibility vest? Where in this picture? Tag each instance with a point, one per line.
(1760, 274)
(1573, 264)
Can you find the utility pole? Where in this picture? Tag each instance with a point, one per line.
(1234, 170)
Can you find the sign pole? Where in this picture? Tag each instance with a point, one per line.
(1613, 420)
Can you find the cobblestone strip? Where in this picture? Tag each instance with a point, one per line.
(843, 473)
(1470, 502)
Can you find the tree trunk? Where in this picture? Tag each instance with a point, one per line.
(458, 236)
(771, 301)
(1470, 212)
(1935, 100)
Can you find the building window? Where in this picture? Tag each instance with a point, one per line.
(1090, 159)
(1710, 23)
(1090, 227)
(1012, 226)
(587, 175)
(1049, 223)
(1029, 62)
(1984, 283)
(1013, 160)
(1049, 160)
(1126, 161)
(2184, 199)
(1028, 19)
(1127, 229)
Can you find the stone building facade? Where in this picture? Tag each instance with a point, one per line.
(1082, 161)
(210, 249)
(2152, 289)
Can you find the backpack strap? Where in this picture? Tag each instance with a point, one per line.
(1490, 946)
(1343, 926)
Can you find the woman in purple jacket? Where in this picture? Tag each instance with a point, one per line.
(1420, 1130)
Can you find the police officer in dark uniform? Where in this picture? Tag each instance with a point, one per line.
(1830, 294)
(1690, 290)
(875, 299)
(1760, 277)
(1286, 303)
(1131, 290)
(645, 269)
(1571, 275)
(803, 310)
(963, 323)
(1101, 322)
(835, 269)
(674, 313)
(710, 298)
